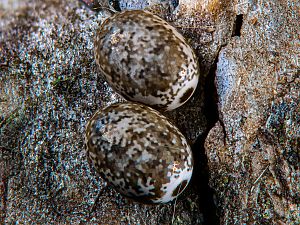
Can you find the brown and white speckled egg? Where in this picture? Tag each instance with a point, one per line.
(139, 152)
(146, 60)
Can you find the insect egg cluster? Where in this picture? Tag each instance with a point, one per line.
(131, 145)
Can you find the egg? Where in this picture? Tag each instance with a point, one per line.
(139, 152)
(146, 60)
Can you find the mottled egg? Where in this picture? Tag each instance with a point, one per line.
(146, 60)
(139, 152)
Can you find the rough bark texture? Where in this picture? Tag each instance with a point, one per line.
(50, 86)
(253, 151)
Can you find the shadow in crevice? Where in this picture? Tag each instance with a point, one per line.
(201, 171)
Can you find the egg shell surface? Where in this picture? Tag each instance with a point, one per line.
(139, 152)
(146, 60)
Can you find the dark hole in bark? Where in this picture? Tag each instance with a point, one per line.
(237, 25)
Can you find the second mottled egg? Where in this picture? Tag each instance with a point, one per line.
(146, 60)
(139, 152)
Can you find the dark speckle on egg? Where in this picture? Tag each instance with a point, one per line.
(186, 95)
(146, 60)
(139, 152)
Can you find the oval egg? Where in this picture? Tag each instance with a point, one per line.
(139, 152)
(146, 60)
